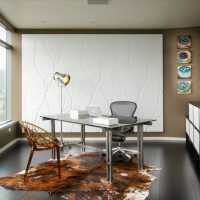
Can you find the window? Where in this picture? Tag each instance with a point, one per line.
(3, 114)
(2, 33)
(4, 75)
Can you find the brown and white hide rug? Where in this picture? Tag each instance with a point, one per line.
(83, 176)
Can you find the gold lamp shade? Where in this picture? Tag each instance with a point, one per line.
(62, 78)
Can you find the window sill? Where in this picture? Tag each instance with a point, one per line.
(7, 124)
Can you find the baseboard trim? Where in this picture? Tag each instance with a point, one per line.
(175, 139)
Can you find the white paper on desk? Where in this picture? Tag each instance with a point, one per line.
(105, 120)
(78, 112)
(78, 116)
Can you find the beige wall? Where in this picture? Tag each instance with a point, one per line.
(175, 106)
(16, 77)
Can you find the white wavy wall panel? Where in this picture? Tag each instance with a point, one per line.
(103, 68)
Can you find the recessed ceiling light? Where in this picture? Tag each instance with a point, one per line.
(97, 2)
(43, 22)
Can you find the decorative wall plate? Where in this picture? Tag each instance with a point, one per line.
(184, 42)
(184, 56)
(184, 72)
(184, 87)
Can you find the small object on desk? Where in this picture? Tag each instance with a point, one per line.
(78, 114)
(94, 111)
(105, 120)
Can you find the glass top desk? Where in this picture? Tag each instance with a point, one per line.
(88, 121)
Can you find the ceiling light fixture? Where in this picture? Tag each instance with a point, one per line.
(97, 2)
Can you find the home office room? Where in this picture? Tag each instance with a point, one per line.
(99, 99)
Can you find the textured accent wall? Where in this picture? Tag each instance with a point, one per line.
(103, 68)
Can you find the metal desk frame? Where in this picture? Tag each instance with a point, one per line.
(83, 123)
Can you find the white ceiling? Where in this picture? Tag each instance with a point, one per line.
(119, 14)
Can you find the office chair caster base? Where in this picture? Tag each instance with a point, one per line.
(121, 153)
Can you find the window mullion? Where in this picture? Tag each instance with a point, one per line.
(5, 45)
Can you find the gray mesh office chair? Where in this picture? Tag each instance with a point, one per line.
(124, 111)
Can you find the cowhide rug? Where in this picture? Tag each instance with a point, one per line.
(83, 176)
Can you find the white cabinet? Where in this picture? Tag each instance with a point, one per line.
(191, 132)
(192, 125)
(196, 140)
(196, 116)
(191, 117)
(187, 124)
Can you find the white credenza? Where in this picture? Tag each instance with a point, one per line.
(193, 132)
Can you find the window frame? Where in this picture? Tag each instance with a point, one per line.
(8, 48)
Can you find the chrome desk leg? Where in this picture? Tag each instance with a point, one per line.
(53, 132)
(83, 137)
(140, 147)
(109, 156)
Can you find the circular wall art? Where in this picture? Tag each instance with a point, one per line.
(184, 56)
(184, 87)
(184, 42)
(184, 72)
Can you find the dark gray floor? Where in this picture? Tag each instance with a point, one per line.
(177, 180)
